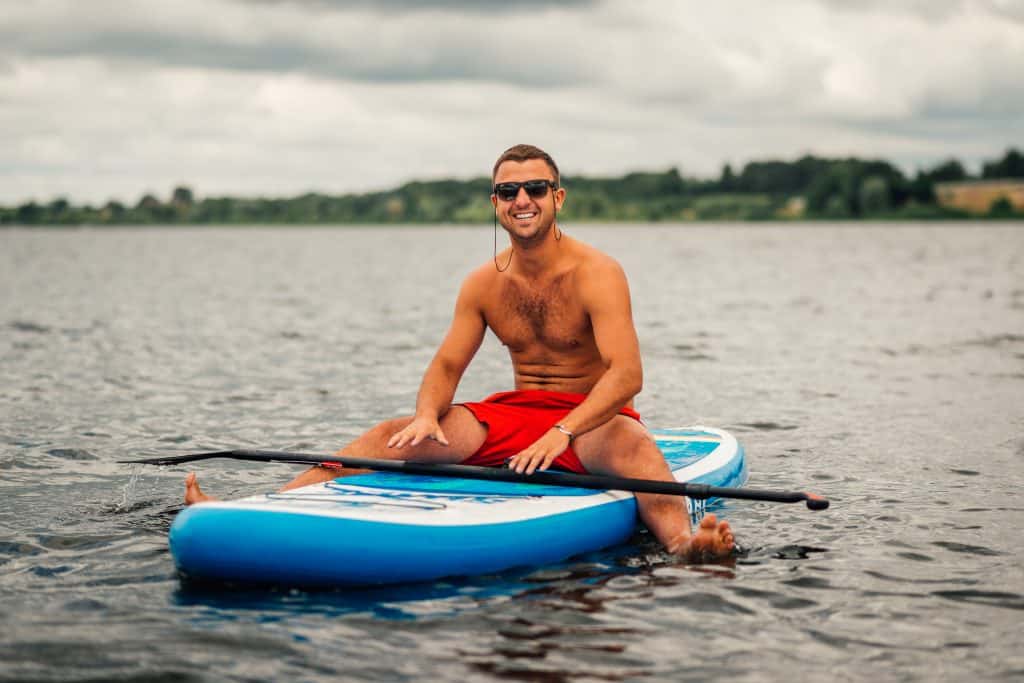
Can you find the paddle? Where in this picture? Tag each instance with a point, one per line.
(585, 481)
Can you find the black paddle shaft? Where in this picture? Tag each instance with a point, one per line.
(585, 481)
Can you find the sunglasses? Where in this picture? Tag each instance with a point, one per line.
(534, 188)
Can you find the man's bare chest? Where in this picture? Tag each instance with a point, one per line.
(550, 316)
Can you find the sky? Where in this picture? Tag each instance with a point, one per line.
(111, 99)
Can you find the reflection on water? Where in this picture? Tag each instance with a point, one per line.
(880, 365)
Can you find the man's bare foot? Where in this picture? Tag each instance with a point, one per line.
(194, 494)
(712, 541)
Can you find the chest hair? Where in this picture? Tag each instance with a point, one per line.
(547, 312)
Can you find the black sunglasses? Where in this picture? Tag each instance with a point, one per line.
(535, 188)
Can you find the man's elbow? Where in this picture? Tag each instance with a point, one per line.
(628, 377)
(447, 367)
(633, 382)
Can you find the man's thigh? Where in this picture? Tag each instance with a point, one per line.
(464, 433)
(621, 446)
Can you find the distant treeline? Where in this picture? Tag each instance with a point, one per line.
(808, 188)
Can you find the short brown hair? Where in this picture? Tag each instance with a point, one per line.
(520, 153)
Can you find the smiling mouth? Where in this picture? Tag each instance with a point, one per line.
(524, 215)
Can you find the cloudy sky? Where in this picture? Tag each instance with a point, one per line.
(104, 99)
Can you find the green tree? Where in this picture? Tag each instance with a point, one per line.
(836, 207)
(148, 202)
(1001, 208)
(874, 196)
(727, 182)
(821, 191)
(112, 212)
(182, 195)
(1010, 166)
(922, 188)
(151, 210)
(28, 213)
(950, 170)
(182, 204)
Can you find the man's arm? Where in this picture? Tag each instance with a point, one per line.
(604, 292)
(445, 370)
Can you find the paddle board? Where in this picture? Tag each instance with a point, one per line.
(382, 528)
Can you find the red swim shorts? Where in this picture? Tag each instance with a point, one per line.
(516, 419)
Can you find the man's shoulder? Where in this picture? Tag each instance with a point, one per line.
(480, 279)
(594, 262)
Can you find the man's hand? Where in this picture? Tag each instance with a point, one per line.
(419, 429)
(541, 453)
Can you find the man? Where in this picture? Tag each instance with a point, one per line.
(563, 310)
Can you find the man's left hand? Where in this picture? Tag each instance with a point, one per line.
(541, 453)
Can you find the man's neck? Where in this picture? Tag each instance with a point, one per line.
(532, 261)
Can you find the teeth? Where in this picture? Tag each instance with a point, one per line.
(525, 215)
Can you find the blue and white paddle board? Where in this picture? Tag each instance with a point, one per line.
(381, 528)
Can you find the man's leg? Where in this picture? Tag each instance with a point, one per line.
(465, 436)
(623, 447)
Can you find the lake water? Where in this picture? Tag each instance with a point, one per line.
(881, 365)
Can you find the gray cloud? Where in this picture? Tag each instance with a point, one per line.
(930, 10)
(286, 36)
(1008, 9)
(936, 11)
(473, 6)
(109, 98)
(434, 63)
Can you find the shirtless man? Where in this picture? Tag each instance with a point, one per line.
(563, 310)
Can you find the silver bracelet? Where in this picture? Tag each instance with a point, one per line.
(566, 432)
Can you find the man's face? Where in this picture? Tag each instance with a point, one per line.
(526, 218)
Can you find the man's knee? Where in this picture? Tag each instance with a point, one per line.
(629, 434)
(388, 427)
(618, 440)
(373, 441)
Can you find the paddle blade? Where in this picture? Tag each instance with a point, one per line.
(179, 459)
(816, 502)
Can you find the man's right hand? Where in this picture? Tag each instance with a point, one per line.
(419, 429)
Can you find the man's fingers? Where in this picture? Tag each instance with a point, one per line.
(546, 461)
(538, 456)
(536, 464)
(541, 462)
(413, 436)
(526, 461)
(520, 462)
(399, 439)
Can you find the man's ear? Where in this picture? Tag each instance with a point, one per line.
(559, 196)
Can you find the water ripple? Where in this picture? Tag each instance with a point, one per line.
(998, 599)
(29, 326)
(967, 549)
(72, 454)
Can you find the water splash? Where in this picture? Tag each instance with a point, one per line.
(129, 490)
